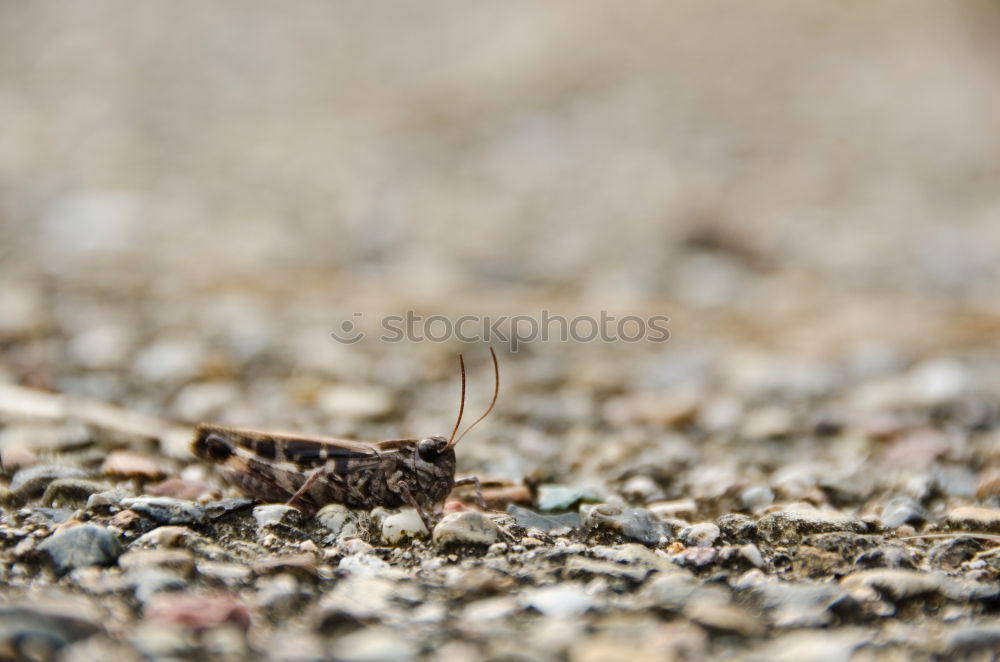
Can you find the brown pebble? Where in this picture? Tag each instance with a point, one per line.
(197, 611)
(300, 563)
(125, 519)
(916, 449)
(167, 536)
(668, 409)
(724, 617)
(498, 498)
(881, 426)
(17, 457)
(989, 487)
(974, 518)
(179, 488)
(130, 465)
(176, 559)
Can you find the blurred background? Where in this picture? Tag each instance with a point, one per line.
(194, 195)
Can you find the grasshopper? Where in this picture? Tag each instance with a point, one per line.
(309, 472)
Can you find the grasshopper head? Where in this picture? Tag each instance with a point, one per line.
(430, 448)
(435, 468)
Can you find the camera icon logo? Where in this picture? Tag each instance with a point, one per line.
(349, 332)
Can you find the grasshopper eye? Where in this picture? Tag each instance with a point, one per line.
(428, 449)
(213, 447)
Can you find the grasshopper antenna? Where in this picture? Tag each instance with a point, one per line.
(461, 407)
(496, 392)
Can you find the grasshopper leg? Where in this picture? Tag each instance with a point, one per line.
(474, 480)
(305, 487)
(404, 490)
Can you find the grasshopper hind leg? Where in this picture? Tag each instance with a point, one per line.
(302, 491)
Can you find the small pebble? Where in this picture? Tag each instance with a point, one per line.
(560, 497)
(701, 535)
(356, 402)
(579, 566)
(128, 464)
(271, 514)
(203, 401)
(561, 601)
(45, 437)
(404, 525)
(157, 640)
(970, 640)
(633, 555)
(468, 528)
(767, 423)
(354, 546)
(374, 644)
(173, 559)
(280, 593)
(148, 582)
(71, 492)
(671, 590)
(951, 554)
(752, 554)
(636, 524)
(724, 617)
(172, 360)
(975, 518)
(794, 605)
(80, 546)
(303, 565)
(166, 536)
(938, 381)
(107, 498)
(555, 525)
(47, 626)
(338, 519)
(641, 488)
(197, 611)
(680, 509)
(834, 645)
(125, 520)
(903, 510)
(360, 597)
(756, 497)
(32, 482)
(104, 346)
(793, 523)
(489, 610)
(696, 557)
(13, 458)
(178, 488)
(165, 510)
(225, 572)
(222, 507)
(895, 584)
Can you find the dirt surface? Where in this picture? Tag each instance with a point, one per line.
(194, 198)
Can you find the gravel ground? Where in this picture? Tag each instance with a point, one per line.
(790, 512)
(194, 199)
